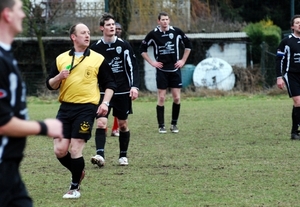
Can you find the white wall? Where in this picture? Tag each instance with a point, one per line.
(233, 53)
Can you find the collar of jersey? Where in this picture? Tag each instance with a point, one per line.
(86, 52)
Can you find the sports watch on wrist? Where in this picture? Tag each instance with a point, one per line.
(106, 103)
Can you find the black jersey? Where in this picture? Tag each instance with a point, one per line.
(166, 45)
(288, 56)
(122, 60)
(12, 104)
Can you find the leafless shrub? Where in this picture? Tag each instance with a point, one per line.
(248, 79)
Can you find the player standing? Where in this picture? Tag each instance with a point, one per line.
(288, 71)
(166, 39)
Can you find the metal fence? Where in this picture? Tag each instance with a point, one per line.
(267, 64)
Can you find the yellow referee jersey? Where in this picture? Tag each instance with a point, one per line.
(82, 84)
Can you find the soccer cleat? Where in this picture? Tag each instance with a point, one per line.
(295, 136)
(72, 194)
(115, 133)
(98, 160)
(174, 129)
(162, 130)
(123, 161)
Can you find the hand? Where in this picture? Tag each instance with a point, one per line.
(280, 83)
(102, 109)
(54, 128)
(157, 64)
(179, 64)
(64, 74)
(134, 93)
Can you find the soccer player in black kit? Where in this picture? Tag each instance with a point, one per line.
(123, 64)
(288, 71)
(14, 123)
(166, 39)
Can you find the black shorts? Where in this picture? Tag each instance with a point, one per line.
(12, 189)
(166, 80)
(77, 119)
(120, 104)
(292, 82)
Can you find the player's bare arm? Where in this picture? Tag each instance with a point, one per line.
(18, 128)
(56, 80)
(154, 64)
(103, 107)
(280, 83)
(134, 93)
(180, 63)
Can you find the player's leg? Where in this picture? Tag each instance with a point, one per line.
(61, 151)
(115, 128)
(100, 140)
(175, 83)
(82, 125)
(61, 146)
(124, 139)
(77, 162)
(162, 86)
(175, 109)
(122, 108)
(160, 110)
(100, 137)
(292, 83)
(295, 118)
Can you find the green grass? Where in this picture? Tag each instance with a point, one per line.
(230, 151)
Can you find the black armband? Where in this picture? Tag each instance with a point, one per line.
(44, 128)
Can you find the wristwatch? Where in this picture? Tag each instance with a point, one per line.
(106, 103)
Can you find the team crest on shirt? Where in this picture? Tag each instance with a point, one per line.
(171, 35)
(119, 49)
(168, 45)
(84, 127)
(88, 73)
(3, 93)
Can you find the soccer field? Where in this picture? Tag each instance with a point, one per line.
(230, 151)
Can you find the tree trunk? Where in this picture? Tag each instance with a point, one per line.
(42, 52)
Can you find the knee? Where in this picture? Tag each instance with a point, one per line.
(60, 151)
(74, 151)
(161, 99)
(176, 100)
(101, 124)
(123, 126)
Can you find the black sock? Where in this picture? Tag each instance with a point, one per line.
(77, 166)
(160, 113)
(124, 139)
(66, 161)
(100, 139)
(175, 113)
(295, 119)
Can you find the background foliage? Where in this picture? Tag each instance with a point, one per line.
(263, 31)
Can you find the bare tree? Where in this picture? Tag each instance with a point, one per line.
(36, 25)
(121, 9)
